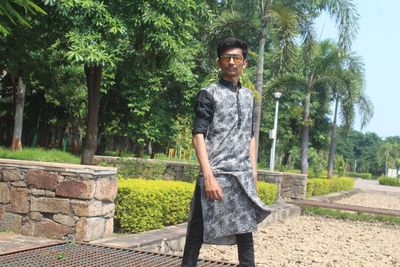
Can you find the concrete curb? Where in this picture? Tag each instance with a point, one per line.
(171, 239)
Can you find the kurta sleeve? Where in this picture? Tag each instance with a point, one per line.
(204, 112)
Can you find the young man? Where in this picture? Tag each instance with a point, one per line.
(225, 207)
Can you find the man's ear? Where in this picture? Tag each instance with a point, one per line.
(217, 62)
(245, 62)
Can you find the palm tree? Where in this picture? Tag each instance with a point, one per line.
(348, 91)
(261, 13)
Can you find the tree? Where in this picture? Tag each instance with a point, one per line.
(389, 154)
(93, 38)
(305, 12)
(347, 90)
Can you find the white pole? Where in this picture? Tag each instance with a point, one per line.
(272, 158)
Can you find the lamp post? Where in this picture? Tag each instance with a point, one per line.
(273, 132)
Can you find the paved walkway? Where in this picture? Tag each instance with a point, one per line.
(10, 242)
(373, 185)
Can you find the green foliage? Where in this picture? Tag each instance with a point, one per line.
(10, 9)
(359, 175)
(39, 154)
(340, 165)
(343, 215)
(384, 180)
(317, 164)
(150, 204)
(319, 186)
(133, 167)
(267, 192)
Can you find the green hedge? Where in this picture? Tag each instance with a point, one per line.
(363, 175)
(319, 186)
(389, 181)
(150, 204)
(267, 192)
(143, 205)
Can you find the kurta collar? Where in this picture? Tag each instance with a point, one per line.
(231, 85)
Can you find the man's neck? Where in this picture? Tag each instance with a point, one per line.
(234, 80)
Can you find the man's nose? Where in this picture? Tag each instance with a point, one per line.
(231, 61)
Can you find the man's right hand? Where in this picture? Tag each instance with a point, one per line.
(212, 188)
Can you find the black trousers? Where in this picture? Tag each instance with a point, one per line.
(194, 239)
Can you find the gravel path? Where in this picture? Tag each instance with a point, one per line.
(316, 241)
(374, 200)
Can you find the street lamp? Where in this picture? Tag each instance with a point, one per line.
(272, 133)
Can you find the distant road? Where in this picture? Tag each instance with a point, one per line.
(375, 186)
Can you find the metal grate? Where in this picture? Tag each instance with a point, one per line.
(81, 254)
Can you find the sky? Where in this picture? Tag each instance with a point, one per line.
(378, 43)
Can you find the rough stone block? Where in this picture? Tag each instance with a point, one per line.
(36, 216)
(76, 189)
(286, 194)
(88, 229)
(18, 184)
(42, 179)
(11, 222)
(4, 193)
(38, 192)
(92, 208)
(50, 229)
(70, 174)
(11, 175)
(287, 182)
(109, 227)
(50, 193)
(2, 211)
(64, 219)
(19, 200)
(50, 205)
(28, 229)
(106, 189)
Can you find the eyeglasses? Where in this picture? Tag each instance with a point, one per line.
(225, 59)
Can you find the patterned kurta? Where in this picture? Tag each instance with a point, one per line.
(224, 116)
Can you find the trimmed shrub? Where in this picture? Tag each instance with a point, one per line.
(362, 175)
(143, 205)
(267, 192)
(385, 180)
(319, 186)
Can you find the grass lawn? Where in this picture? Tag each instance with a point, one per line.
(39, 154)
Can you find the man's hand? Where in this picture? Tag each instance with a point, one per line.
(212, 188)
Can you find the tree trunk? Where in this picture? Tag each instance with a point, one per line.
(259, 83)
(75, 136)
(332, 147)
(93, 80)
(305, 129)
(286, 155)
(16, 143)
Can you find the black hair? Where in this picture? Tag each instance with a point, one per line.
(232, 42)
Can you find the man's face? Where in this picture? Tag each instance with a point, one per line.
(232, 63)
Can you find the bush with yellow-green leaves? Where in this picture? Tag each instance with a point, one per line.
(143, 205)
(321, 186)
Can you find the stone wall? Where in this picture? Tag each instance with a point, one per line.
(60, 201)
(290, 185)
